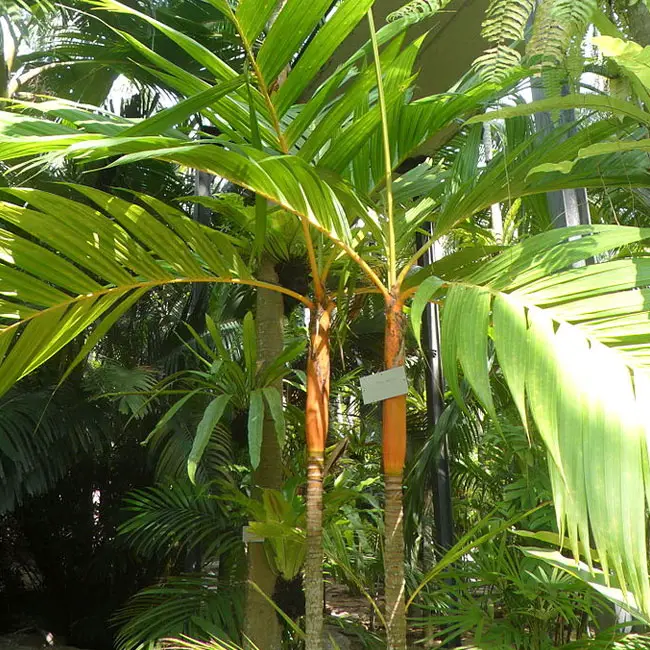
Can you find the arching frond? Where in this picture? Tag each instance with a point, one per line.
(107, 258)
(198, 607)
(574, 348)
(176, 517)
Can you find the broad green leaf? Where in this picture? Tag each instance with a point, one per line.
(211, 417)
(423, 295)
(255, 426)
(565, 167)
(171, 412)
(511, 342)
(278, 368)
(596, 579)
(347, 16)
(472, 349)
(273, 399)
(554, 539)
(292, 27)
(250, 347)
(633, 58)
(216, 337)
(452, 315)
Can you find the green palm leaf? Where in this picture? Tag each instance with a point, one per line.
(198, 607)
(104, 259)
(573, 344)
(167, 519)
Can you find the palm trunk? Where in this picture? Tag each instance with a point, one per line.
(394, 455)
(316, 425)
(639, 21)
(262, 628)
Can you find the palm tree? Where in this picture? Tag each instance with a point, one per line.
(321, 195)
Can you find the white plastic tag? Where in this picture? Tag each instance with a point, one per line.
(249, 537)
(383, 385)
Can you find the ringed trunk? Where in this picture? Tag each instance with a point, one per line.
(262, 628)
(394, 455)
(316, 425)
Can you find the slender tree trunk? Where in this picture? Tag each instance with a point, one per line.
(316, 425)
(394, 454)
(261, 625)
(639, 21)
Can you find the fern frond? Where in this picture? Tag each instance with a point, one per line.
(128, 386)
(505, 20)
(495, 63)
(557, 23)
(417, 10)
(504, 25)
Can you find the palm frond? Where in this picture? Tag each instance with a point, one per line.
(41, 440)
(177, 517)
(101, 276)
(573, 346)
(198, 607)
(130, 387)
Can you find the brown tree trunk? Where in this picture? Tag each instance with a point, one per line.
(639, 21)
(262, 628)
(314, 601)
(316, 425)
(394, 454)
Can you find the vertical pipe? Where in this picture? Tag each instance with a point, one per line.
(442, 494)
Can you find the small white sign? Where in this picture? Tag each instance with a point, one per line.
(383, 385)
(249, 537)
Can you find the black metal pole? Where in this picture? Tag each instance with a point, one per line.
(435, 391)
(442, 494)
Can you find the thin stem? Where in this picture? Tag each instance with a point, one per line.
(392, 258)
(415, 258)
(319, 279)
(261, 83)
(311, 254)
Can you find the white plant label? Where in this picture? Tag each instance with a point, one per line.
(249, 537)
(383, 385)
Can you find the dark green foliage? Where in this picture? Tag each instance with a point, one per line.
(199, 607)
(64, 541)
